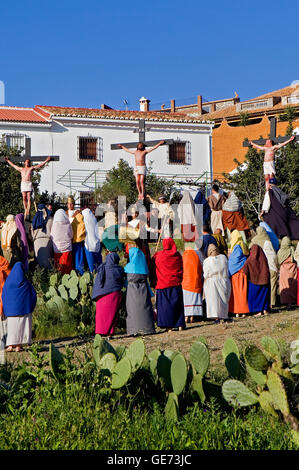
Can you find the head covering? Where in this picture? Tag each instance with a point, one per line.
(260, 238)
(41, 218)
(137, 263)
(61, 232)
(4, 272)
(169, 265)
(192, 272)
(221, 243)
(78, 227)
(186, 209)
(232, 203)
(8, 231)
(162, 197)
(110, 238)
(256, 267)
(213, 250)
(236, 260)
(206, 241)
(20, 221)
(273, 181)
(18, 295)
(92, 243)
(271, 234)
(110, 277)
(286, 250)
(200, 199)
(236, 239)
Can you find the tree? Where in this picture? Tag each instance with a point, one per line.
(120, 181)
(10, 181)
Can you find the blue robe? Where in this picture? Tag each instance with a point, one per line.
(258, 297)
(18, 294)
(170, 307)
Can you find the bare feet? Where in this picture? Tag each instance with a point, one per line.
(9, 349)
(258, 314)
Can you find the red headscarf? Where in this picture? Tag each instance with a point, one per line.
(168, 265)
(256, 267)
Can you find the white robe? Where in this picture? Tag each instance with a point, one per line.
(217, 286)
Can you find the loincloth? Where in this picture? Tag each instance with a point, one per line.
(26, 187)
(140, 170)
(269, 168)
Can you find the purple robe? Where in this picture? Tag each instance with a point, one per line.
(282, 220)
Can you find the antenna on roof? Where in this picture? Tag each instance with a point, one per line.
(126, 102)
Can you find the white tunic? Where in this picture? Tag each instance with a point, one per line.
(217, 286)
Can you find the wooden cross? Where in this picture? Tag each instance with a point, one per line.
(276, 140)
(141, 131)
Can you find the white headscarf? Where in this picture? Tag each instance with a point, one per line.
(8, 231)
(61, 232)
(92, 242)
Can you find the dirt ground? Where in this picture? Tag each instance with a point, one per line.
(281, 325)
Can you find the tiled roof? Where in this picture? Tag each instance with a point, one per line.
(118, 114)
(230, 111)
(15, 114)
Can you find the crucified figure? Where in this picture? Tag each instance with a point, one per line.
(140, 166)
(26, 183)
(269, 159)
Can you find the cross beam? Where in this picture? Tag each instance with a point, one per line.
(54, 158)
(141, 131)
(276, 140)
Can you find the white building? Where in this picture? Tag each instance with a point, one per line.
(82, 138)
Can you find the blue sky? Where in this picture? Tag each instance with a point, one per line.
(84, 53)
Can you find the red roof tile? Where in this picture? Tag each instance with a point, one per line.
(10, 113)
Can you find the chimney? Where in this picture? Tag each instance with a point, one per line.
(199, 103)
(172, 106)
(144, 104)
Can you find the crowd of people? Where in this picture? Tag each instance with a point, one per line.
(231, 269)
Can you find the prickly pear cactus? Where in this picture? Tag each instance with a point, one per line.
(153, 361)
(53, 280)
(200, 358)
(278, 393)
(63, 292)
(135, 353)
(120, 351)
(172, 408)
(178, 373)
(266, 402)
(101, 347)
(271, 348)
(255, 358)
(237, 394)
(121, 373)
(231, 356)
(163, 369)
(108, 363)
(259, 377)
(197, 387)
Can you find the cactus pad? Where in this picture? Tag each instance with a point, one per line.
(135, 353)
(163, 369)
(178, 373)
(100, 347)
(74, 292)
(278, 393)
(121, 373)
(271, 348)
(120, 351)
(108, 362)
(200, 358)
(237, 394)
(172, 408)
(53, 280)
(198, 387)
(259, 377)
(266, 402)
(255, 358)
(63, 292)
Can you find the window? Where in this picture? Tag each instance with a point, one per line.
(19, 141)
(179, 153)
(86, 199)
(90, 148)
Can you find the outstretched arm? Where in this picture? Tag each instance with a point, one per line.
(18, 168)
(156, 146)
(278, 146)
(256, 146)
(126, 150)
(36, 167)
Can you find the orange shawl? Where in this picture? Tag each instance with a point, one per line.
(192, 272)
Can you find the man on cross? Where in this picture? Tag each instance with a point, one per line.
(26, 183)
(140, 166)
(269, 159)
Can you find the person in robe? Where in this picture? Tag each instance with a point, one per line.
(273, 237)
(11, 242)
(238, 304)
(217, 286)
(207, 239)
(262, 239)
(168, 270)
(277, 213)
(41, 236)
(92, 244)
(189, 218)
(140, 314)
(4, 272)
(257, 272)
(79, 235)
(166, 214)
(221, 242)
(20, 222)
(233, 217)
(107, 292)
(152, 227)
(296, 257)
(62, 235)
(110, 238)
(71, 211)
(216, 201)
(206, 211)
(19, 301)
(192, 284)
(287, 272)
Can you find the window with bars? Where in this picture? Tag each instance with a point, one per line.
(19, 141)
(179, 153)
(90, 149)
